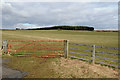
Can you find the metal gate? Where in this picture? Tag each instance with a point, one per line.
(36, 48)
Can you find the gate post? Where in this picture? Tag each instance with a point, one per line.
(4, 46)
(93, 55)
(66, 48)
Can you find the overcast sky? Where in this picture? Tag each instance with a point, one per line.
(100, 15)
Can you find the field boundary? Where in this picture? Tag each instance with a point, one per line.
(94, 52)
(51, 48)
(66, 49)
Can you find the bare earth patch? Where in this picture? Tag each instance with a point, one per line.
(67, 68)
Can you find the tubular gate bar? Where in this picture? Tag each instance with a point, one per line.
(35, 48)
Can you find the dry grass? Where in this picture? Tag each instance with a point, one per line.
(36, 67)
(67, 68)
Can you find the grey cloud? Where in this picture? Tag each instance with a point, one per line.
(99, 15)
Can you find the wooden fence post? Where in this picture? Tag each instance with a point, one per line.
(93, 55)
(4, 45)
(66, 49)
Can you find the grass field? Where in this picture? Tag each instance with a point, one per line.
(108, 39)
(84, 37)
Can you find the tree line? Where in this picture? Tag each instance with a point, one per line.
(65, 28)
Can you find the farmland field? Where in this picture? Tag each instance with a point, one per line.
(108, 39)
